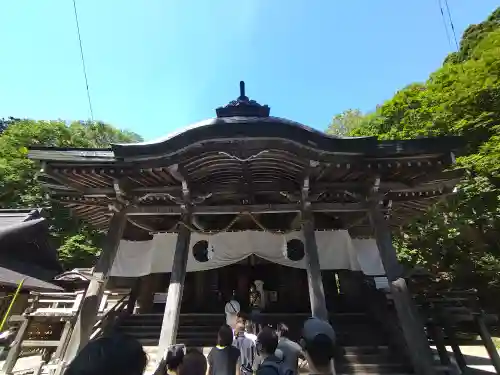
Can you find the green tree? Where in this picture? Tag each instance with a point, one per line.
(345, 122)
(4, 123)
(77, 243)
(461, 235)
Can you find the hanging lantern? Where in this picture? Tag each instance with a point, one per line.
(295, 250)
(201, 252)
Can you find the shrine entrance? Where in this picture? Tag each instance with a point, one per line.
(283, 289)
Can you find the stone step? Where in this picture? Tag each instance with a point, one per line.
(372, 368)
(353, 330)
(191, 338)
(180, 336)
(346, 339)
(363, 364)
(153, 329)
(202, 322)
(209, 337)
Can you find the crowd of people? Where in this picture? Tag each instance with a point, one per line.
(237, 352)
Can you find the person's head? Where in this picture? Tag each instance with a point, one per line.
(174, 357)
(111, 355)
(318, 343)
(267, 341)
(241, 320)
(225, 336)
(239, 328)
(194, 363)
(283, 330)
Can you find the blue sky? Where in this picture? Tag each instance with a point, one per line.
(158, 65)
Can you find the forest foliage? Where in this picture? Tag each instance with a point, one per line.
(460, 237)
(19, 188)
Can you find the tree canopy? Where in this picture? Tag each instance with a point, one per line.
(19, 188)
(344, 123)
(461, 236)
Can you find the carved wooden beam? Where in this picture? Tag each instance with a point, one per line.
(255, 209)
(63, 180)
(277, 187)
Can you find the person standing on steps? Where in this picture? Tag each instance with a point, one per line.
(223, 359)
(194, 363)
(255, 306)
(290, 350)
(268, 362)
(318, 344)
(232, 309)
(247, 328)
(246, 347)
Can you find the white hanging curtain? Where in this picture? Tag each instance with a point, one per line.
(336, 251)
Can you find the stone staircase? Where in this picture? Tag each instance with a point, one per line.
(364, 347)
(196, 330)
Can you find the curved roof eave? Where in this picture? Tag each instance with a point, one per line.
(237, 128)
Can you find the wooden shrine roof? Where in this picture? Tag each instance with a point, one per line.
(25, 249)
(247, 160)
(9, 217)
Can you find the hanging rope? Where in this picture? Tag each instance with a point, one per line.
(83, 61)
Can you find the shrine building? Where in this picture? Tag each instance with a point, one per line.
(245, 198)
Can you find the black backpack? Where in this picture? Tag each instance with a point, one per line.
(277, 367)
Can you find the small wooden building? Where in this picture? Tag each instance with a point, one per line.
(25, 254)
(249, 197)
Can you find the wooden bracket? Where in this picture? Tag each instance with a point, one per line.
(306, 186)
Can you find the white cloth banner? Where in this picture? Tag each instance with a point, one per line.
(336, 251)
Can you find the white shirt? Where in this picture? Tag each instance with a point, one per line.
(251, 336)
(232, 307)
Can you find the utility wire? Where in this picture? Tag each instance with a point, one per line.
(83, 62)
(445, 24)
(451, 23)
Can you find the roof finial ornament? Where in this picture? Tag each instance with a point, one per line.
(242, 91)
(243, 107)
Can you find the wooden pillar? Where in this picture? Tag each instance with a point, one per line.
(315, 282)
(15, 349)
(148, 287)
(453, 342)
(133, 296)
(63, 341)
(487, 341)
(200, 290)
(87, 316)
(411, 324)
(436, 333)
(174, 294)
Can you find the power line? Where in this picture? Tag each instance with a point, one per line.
(451, 23)
(83, 61)
(445, 24)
